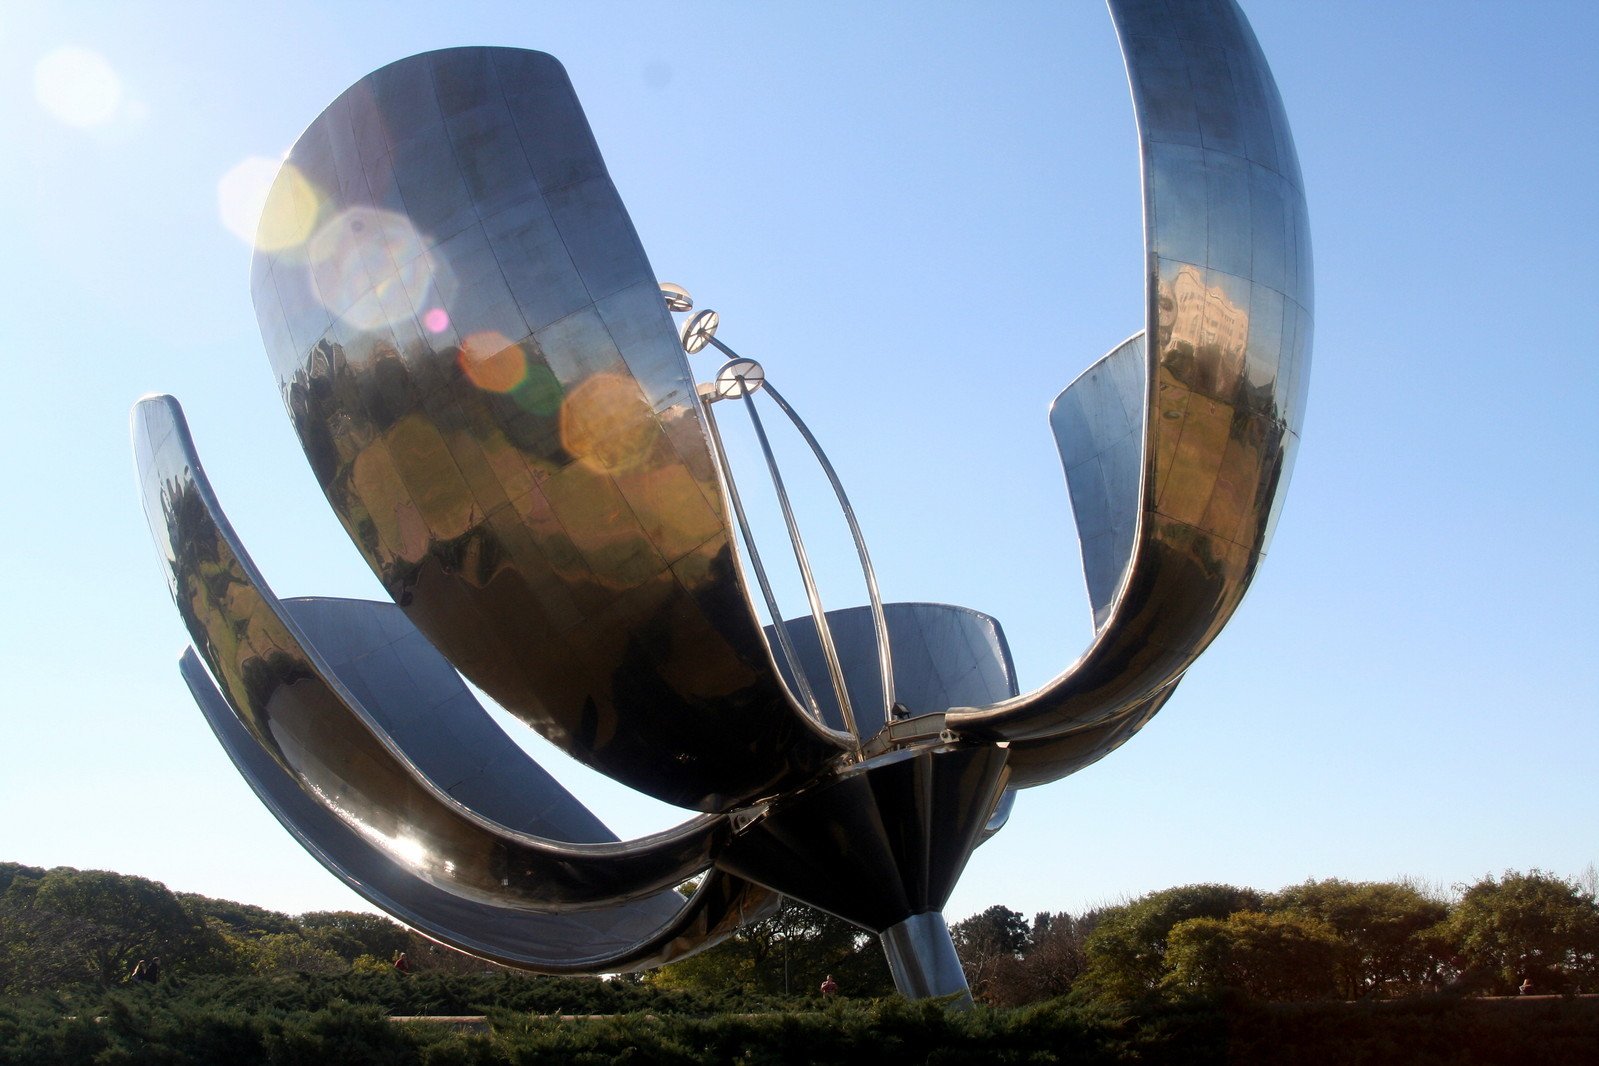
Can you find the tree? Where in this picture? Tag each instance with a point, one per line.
(1054, 959)
(1127, 949)
(1527, 926)
(240, 919)
(790, 952)
(1383, 928)
(286, 954)
(11, 871)
(351, 934)
(988, 943)
(1283, 956)
(90, 926)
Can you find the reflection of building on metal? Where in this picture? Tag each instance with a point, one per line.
(1203, 315)
(484, 374)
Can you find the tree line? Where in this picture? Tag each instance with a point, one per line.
(64, 929)
(1528, 932)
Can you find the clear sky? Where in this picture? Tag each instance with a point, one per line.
(924, 219)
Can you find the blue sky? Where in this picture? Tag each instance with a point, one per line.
(924, 220)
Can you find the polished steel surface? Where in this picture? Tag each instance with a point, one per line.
(943, 656)
(888, 839)
(922, 958)
(1172, 540)
(487, 382)
(1098, 422)
(882, 841)
(305, 708)
(1038, 762)
(480, 365)
(637, 935)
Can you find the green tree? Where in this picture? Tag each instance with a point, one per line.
(1127, 949)
(286, 954)
(11, 871)
(351, 934)
(1284, 956)
(1527, 926)
(90, 927)
(1384, 929)
(240, 919)
(791, 951)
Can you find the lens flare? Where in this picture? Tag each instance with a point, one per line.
(491, 362)
(289, 213)
(77, 86)
(242, 195)
(364, 250)
(539, 392)
(436, 320)
(607, 423)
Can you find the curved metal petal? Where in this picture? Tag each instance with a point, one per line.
(1229, 308)
(1098, 421)
(943, 656)
(1038, 762)
(637, 935)
(476, 356)
(312, 724)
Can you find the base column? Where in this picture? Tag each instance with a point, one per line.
(922, 958)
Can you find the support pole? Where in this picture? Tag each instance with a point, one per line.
(922, 958)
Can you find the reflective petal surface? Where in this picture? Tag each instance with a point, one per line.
(476, 356)
(1171, 540)
(943, 656)
(308, 720)
(619, 937)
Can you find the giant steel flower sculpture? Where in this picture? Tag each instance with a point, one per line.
(491, 391)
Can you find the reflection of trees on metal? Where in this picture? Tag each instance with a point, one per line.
(489, 387)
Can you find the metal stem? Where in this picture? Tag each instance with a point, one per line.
(922, 958)
(824, 633)
(801, 683)
(885, 661)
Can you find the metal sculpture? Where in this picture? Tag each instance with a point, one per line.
(491, 391)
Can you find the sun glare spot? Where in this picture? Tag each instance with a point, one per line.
(287, 213)
(606, 422)
(77, 86)
(491, 362)
(242, 194)
(436, 320)
(365, 250)
(409, 850)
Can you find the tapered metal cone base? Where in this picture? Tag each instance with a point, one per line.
(882, 845)
(922, 958)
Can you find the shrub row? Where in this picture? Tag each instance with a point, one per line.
(137, 1027)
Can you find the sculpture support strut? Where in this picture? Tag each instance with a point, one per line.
(922, 958)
